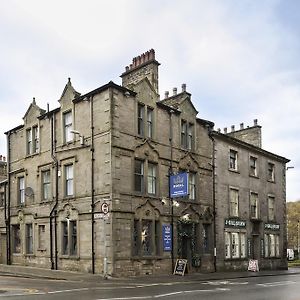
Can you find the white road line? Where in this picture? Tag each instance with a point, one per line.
(279, 283)
(66, 291)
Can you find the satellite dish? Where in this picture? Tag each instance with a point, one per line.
(29, 192)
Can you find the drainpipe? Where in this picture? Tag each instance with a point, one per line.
(53, 148)
(92, 182)
(214, 196)
(7, 220)
(171, 199)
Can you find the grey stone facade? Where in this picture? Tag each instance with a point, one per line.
(88, 182)
(258, 224)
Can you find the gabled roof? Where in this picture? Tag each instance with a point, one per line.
(176, 101)
(31, 106)
(69, 87)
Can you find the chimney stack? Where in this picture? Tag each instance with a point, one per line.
(219, 130)
(183, 87)
(174, 91)
(255, 122)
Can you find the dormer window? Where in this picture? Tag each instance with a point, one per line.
(187, 139)
(67, 121)
(32, 140)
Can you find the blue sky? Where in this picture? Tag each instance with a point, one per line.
(239, 59)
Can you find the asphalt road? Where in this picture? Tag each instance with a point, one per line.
(285, 287)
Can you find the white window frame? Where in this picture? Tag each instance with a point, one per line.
(192, 186)
(254, 203)
(46, 185)
(152, 178)
(271, 208)
(21, 190)
(69, 180)
(68, 125)
(233, 202)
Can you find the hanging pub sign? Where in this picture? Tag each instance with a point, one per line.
(179, 185)
(167, 237)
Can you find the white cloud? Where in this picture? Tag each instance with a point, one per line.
(239, 60)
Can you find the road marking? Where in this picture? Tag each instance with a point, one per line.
(225, 283)
(66, 291)
(278, 283)
(168, 294)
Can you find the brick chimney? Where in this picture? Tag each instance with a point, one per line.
(142, 66)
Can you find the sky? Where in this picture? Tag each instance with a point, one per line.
(239, 59)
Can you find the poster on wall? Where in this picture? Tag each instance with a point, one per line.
(167, 237)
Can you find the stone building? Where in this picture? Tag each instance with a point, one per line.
(88, 181)
(250, 201)
(3, 210)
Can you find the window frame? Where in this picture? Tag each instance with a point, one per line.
(256, 215)
(21, 190)
(16, 239)
(140, 119)
(234, 210)
(69, 239)
(271, 207)
(253, 166)
(41, 237)
(139, 176)
(29, 238)
(69, 189)
(151, 178)
(46, 185)
(236, 250)
(271, 172)
(233, 160)
(271, 245)
(67, 126)
(150, 122)
(192, 186)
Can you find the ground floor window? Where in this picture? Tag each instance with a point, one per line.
(29, 239)
(146, 237)
(272, 245)
(69, 237)
(235, 245)
(16, 240)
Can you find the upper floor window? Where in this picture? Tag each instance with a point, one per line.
(187, 139)
(142, 121)
(140, 169)
(46, 185)
(69, 180)
(151, 186)
(141, 112)
(253, 205)
(149, 122)
(253, 166)
(233, 202)
(67, 122)
(271, 208)
(32, 140)
(21, 190)
(192, 186)
(271, 172)
(233, 156)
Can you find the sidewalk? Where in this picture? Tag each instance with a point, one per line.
(31, 272)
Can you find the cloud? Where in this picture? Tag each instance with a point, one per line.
(238, 58)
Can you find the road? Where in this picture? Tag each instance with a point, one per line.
(284, 287)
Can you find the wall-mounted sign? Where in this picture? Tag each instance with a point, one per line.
(167, 237)
(179, 185)
(272, 226)
(104, 208)
(235, 223)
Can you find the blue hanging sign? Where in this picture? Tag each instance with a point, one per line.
(179, 185)
(167, 237)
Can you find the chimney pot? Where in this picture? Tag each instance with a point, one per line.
(4, 158)
(127, 68)
(183, 86)
(242, 126)
(174, 91)
(232, 128)
(166, 94)
(0, 157)
(255, 122)
(219, 130)
(225, 130)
